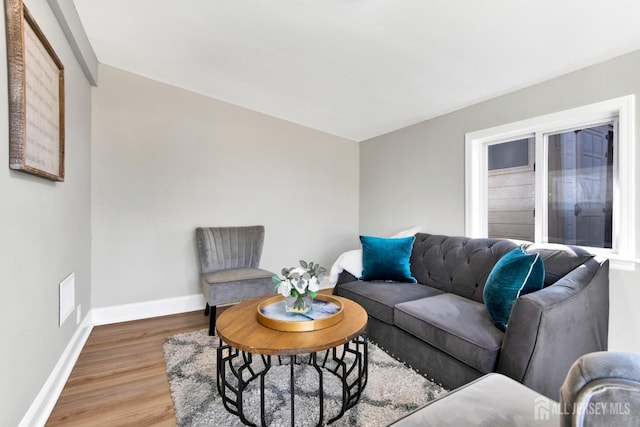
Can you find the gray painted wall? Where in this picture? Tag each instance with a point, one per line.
(415, 176)
(166, 160)
(44, 235)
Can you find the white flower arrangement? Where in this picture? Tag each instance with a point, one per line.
(298, 281)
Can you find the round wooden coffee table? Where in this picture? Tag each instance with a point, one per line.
(339, 350)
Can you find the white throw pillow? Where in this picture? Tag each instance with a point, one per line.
(408, 232)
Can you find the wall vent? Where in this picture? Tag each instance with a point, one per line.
(67, 297)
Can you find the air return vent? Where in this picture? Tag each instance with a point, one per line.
(67, 297)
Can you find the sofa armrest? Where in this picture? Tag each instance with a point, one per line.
(551, 328)
(345, 277)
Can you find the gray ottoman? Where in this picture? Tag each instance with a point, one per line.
(492, 400)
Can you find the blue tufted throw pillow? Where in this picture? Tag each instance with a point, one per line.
(516, 273)
(387, 258)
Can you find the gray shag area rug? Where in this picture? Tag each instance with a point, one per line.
(392, 389)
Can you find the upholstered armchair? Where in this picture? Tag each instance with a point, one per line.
(229, 266)
(602, 389)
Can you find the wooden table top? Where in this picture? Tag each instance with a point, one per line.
(238, 326)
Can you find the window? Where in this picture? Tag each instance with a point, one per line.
(580, 186)
(509, 155)
(566, 177)
(510, 189)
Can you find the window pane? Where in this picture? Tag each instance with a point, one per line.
(511, 194)
(509, 154)
(581, 187)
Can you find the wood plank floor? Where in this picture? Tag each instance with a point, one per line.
(120, 377)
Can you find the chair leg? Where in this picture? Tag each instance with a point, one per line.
(212, 321)
(206, 310)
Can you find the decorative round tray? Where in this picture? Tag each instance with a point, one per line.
(326, 311)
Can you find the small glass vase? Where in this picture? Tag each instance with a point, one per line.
(300, 304)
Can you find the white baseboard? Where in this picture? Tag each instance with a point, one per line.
(162, 307)
(145, 310)
(41, 408)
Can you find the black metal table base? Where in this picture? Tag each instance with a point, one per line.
(237, 370)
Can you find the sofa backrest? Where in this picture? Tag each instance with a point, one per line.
(559, 260)
(461, 265)
(455, 264)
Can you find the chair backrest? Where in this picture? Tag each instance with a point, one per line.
(223, 248)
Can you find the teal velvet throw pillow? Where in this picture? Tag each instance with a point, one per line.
(516, 273)
(387, 258)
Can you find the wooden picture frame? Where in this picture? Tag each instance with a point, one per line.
(36, 97)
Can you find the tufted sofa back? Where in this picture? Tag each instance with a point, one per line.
(454, 264)
(461, 265)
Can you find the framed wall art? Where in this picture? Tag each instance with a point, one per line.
(36, 97)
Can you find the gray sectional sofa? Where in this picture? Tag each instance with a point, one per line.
(441, 327)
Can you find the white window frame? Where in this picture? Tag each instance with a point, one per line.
(621, 110)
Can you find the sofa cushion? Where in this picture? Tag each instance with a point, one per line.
(386, 258)
(379, 298)
(456, 325)
(517, 273)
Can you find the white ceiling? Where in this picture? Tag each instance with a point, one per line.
(357, 68)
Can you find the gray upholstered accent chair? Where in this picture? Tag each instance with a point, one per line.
(229, 266)
(601, 389)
